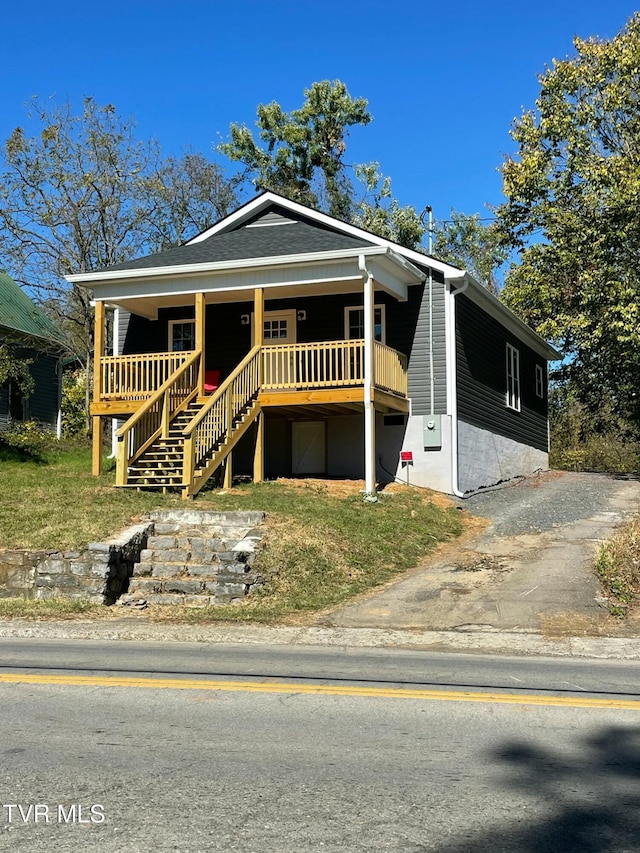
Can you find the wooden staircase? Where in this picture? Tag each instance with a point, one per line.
(161, 465)
(177, 440)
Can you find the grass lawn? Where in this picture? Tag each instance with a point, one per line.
(324, 544)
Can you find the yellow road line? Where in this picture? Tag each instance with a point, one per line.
(319, 690)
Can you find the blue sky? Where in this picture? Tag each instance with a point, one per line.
(444, 81)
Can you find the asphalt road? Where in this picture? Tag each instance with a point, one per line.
(219, 766)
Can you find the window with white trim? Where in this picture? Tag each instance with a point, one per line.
(182, 335)
(539, 381)
(513, 378)
(354, 323)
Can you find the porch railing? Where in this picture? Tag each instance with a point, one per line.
(325, 364)
(390, 370)
(137, 377)
(154, 416)
(214, 424)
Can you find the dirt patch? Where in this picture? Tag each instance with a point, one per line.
(348, 488)
(569, 624)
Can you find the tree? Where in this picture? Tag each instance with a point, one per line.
(574, 189)
(85, 193)
(302, 158)
(379, 212)
(15, 369)
(466, 242)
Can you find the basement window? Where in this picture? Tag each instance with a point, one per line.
(513, 378)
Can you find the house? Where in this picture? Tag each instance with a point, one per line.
(33, 337)
(282, 341)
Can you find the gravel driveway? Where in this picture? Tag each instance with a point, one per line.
(530, 570)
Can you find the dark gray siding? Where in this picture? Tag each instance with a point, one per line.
(482, 378)
(44, 403)
(412, 338)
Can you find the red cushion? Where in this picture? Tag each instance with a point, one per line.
(211, 380)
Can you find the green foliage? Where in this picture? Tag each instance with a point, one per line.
(84, 192)
(380, 213)
(27, 442)
(15, 369)
(300, 155)
(584, 441)
(303, 154)
(618, 567)
(74, 394)
(574, 186)
(468, 243)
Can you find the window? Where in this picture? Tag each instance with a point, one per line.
(182, 335)
(275, 330)
(354, 323)
(539, 381)
(513, 378)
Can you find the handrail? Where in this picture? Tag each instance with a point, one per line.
(214, 424)
(218, 392)
(153, 418)
(157, 395)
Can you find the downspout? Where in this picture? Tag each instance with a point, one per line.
(369, 411)
(453, 383)
(432, 384)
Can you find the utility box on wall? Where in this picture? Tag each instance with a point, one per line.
(431, 431)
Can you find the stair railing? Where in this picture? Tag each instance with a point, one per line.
(153, 418)
(213, 425)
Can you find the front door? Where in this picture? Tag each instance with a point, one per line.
(279, 332)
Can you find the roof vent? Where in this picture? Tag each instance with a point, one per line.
(271, 219)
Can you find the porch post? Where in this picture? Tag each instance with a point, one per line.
(258, 316)
(258, 458)
(200, 324)
(369, 408)
(98, 352)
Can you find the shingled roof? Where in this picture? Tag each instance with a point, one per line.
(18, 313)
(274, 236)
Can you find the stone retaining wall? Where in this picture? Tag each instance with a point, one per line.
(208, 570)
(100, 573)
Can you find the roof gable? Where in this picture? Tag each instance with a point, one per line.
(19, 313)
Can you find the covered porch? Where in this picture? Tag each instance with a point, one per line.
(240, 349)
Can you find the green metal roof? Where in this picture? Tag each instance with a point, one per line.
(20, 314)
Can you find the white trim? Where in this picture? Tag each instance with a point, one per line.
(247, 264)
(383, 319)
(452, 381)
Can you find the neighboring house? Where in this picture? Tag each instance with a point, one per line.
(33, 337)
(282, 341)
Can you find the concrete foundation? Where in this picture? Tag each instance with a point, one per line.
(485, 458)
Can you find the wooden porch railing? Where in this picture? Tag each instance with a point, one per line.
(137, 377)
(325, 364)
(154, 416)
(213, 426)
(390, 370)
